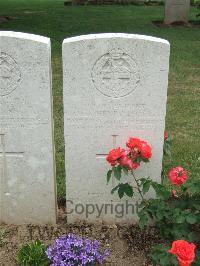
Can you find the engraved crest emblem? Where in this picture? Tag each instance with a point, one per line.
(115, 74)
(10, 74)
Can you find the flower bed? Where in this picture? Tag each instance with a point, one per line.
(175, 213)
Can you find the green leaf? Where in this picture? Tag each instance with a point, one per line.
(192, 237)
(118, 172)
(121, 192)
(142, 181)
(146, 186)
(161, 191)
(167, 151)
(197, 206)
(170, 138)
(109, 175)
(138, 160)
(160, 215)
(125, 170)
(114, 189)
(179, 219)
(125, 189)
(160, 256)
(128, 189)
(167, 145)
(145, 160)
(191, 219)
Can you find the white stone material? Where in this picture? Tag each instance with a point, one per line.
(115, 86)
(176, 11)
(27, 173)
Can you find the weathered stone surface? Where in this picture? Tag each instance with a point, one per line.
(176, 11)
(27, 185)
(115, 86)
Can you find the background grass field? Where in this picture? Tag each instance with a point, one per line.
(50, 18)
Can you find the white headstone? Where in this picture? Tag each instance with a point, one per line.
(115, 87)
(176, 11)
(27, 185)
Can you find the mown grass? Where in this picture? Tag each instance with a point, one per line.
(50, 18)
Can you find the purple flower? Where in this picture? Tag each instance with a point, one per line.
(71, 250)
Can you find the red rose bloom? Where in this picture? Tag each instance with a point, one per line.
(133, 143)
(166, 135)
(177, 175)
(139, 148)
(126, 161)
(184, 251)
(114, 156)
(145, 150)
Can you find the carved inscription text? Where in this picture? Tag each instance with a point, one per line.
(10, 74)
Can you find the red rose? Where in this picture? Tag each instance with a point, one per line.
(166, 135)
(126, 161)
(114, 156)
(145, 150)
(133, 143)
(184, 251)
(177, 175)
(139, 148)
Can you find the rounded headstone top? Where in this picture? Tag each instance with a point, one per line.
(115, 35)
(27, 36)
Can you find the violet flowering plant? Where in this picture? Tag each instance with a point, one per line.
(71, 250)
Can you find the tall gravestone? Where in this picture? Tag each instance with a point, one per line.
(27, 185)
(115, 86)
(177, 11)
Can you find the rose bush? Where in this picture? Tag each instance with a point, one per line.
(175, 210)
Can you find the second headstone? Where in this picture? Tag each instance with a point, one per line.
(115, 86)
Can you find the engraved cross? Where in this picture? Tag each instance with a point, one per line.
(3, 156)
(124, 76)
(3, 167)
(103, 155)
(5, 153)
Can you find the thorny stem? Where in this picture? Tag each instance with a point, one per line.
(138, 187)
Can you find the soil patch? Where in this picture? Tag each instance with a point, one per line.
(127, 244)
(191, 24)
(112, 2)
(6, 18)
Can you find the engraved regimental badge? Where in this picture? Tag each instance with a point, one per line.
(115, 74)
(10, 74)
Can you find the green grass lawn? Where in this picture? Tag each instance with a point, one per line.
(50, 18)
